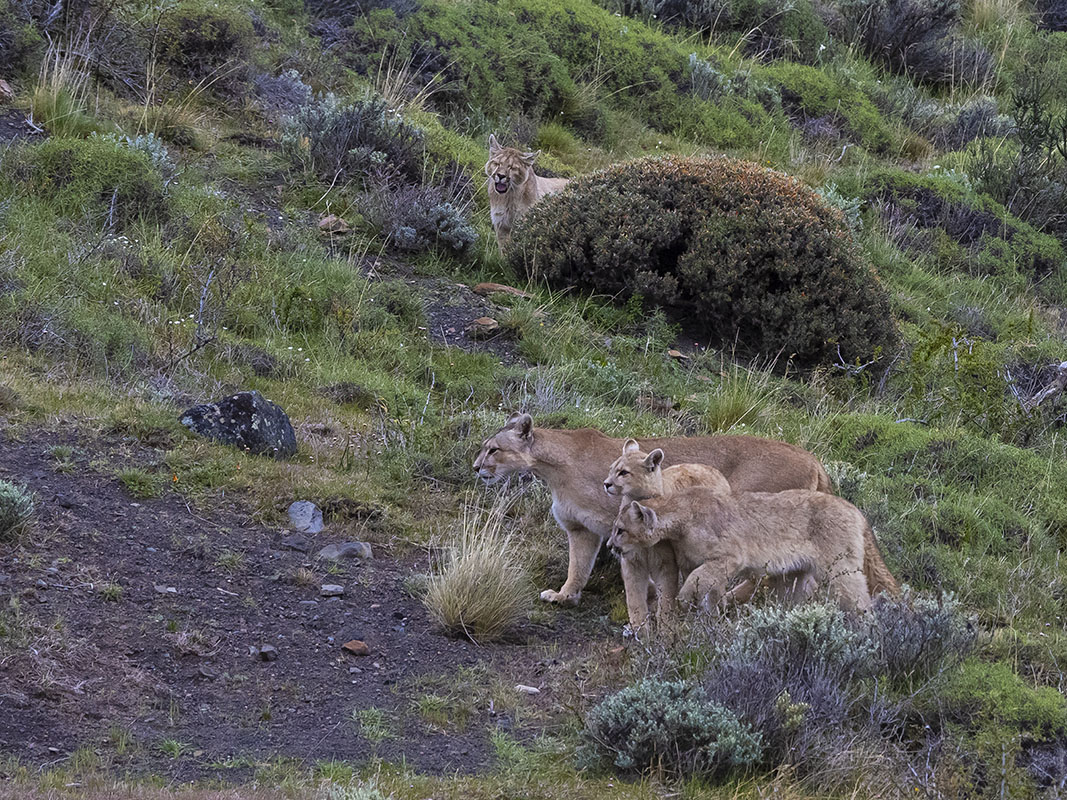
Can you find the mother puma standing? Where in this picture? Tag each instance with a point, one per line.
(574, 462)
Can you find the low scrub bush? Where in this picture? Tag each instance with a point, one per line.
(481, 588)
(749, 254)
(917, 635)
(353, 142)
(669, 725)
(918, 38)
(102, 176)
(206, 43)
(417, 218)
(993, 241)
(16, 510)
(767, 29)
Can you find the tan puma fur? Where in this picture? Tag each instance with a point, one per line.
(718, 535)
(573, 463)
(636, 475)
(513, 187)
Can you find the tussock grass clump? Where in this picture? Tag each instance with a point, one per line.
(481, 589)
(16, 509)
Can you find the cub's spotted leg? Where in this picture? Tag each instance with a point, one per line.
(583, 546)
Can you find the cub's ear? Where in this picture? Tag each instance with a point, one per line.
(643, 514)
(653, 459)
(529, 158)
(629, 446)
(494, 145)
(523, 423)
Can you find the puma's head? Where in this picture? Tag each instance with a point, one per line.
(635, 473)
(507, 451)
(634, 529)
(507, 167)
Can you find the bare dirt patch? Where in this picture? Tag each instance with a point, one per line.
(141, 621)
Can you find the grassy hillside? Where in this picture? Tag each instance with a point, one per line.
(164, 171)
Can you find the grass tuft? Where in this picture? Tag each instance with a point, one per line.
(481, 589)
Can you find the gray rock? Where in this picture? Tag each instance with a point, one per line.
(297, 542)
(335, 552)
(268, 652)
(332, 590)
(246, 420)
(305, 516)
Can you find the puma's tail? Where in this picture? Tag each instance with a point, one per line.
(879, 578)
(823, 481)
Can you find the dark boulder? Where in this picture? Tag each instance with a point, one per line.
(247, 420)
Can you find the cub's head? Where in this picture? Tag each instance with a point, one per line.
(507, 167)
(634, 530)
(507, 451)
(635, 473)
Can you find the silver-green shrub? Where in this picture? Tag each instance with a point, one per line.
(16, 509)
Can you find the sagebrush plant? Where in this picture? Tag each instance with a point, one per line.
(669, 725)
(916, 634)
(339, 141)
(480, 589)
(16, 510)
(745, 254)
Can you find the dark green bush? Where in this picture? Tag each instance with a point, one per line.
(206, 42)
(770, 29)
(919, 38)
(101, 176)
(741, 254)
(358, 141)
(995, 242)
(668, 724)
(20, 41)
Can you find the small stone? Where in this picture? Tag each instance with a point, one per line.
(486, 289)
(333, 224)
(296, 542)
(335, 552)
(207, 672)
(332, 590)
(678, 355)
(356, 648)
(483, 327)
(268, 652)
(305, 516)
(524, 689)
(164, 589)
(7, 94)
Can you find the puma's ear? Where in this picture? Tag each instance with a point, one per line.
(629, 446)
(653, 459)
(529, 158)
(643, 514)
(494, 145)
(523, 423)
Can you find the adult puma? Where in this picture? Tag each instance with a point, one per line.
(573, 463)
(718, 535)
(513, 187)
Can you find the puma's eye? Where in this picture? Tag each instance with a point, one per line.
(492, 450)
(623, 472)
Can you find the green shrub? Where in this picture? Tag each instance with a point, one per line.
(20, 41)
(994, 242)
(99, 175)
(669, 725)
(16, 509)
(810, 92)
(358, 141)
(205, 42)
(748, 255)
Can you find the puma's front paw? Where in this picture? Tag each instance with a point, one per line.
(550, 596)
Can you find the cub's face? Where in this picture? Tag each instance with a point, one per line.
(635, 473)
(633, 531)
(507, 451)
(507, 167)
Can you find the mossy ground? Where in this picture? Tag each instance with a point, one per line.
(136, 281)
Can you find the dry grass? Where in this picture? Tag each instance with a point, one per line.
(59, 99)
(481, 588)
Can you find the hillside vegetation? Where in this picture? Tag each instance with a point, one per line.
(846, 221)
